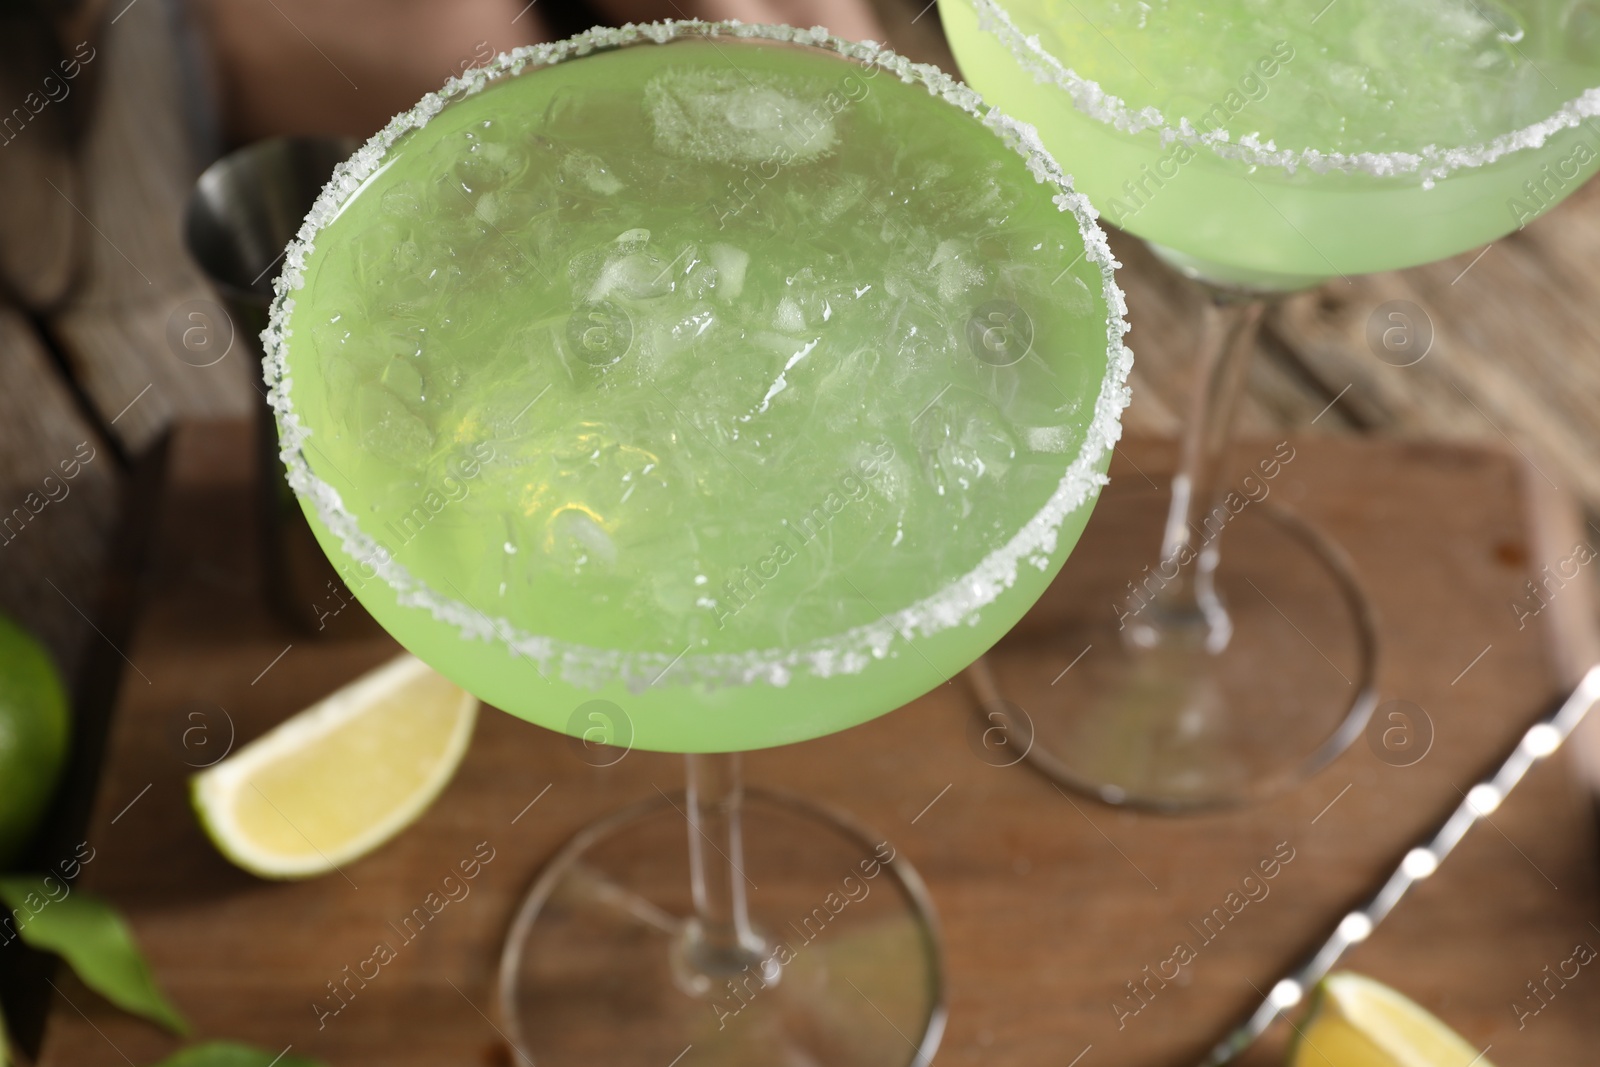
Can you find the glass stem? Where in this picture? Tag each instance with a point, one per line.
(718, 943)
(1184, 608)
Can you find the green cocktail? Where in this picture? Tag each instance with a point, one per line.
(1273, 145)
(682, 374)
(703, 388)
(1263, 148)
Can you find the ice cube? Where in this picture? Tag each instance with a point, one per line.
(332, 333)
(489, 163)
(738, 116)
(589, 172)
(639, 275)
(402, 378)
(341, 378)
(403, 201)
(633, 240)
(956, 269)
(813, 295)
(828, 201)
(701, 280)
(491, 208)
(389, 429)
(788, 316)
(699, 319)
(731, 264)
(964, 443)
(576, 540)
(372, 348)
(887, 472)
(569, 111)
(1000, 194)
(1050, 439)
(661, 337)
(919, 331)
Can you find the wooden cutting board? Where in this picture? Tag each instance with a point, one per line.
(1049, 906)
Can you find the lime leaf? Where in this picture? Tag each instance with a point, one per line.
(233, 1054)
(88, 933)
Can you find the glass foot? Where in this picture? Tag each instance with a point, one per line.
(1179, 727)
(595, 969)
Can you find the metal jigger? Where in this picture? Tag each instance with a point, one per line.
(243, 211)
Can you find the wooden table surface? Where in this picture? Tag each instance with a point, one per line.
(92, 377)
(1049, 903)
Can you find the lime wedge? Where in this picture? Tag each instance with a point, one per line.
(1356, 1022)
(341, 777)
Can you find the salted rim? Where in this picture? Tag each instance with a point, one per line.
(1430, 163)
(848, 652)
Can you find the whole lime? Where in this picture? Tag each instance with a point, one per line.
(34, 728)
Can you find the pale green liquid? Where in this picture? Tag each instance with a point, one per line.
(646, 353)
(1365, 76)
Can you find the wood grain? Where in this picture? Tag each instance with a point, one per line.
(53, 529)
(39, 232)
(1050, 904)
(1513, 354)
(139, 156)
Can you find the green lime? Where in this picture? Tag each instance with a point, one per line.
(33, 735)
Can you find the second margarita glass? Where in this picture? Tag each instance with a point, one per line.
(1260, 149)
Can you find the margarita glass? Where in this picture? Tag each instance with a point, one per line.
(1262, 149)
(698, 388)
